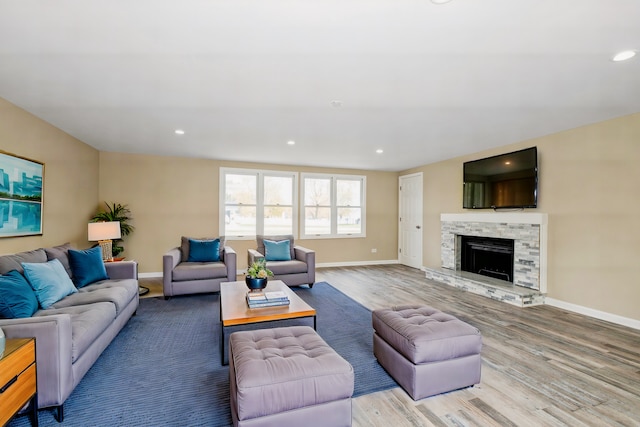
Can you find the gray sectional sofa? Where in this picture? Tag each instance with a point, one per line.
(74, 331)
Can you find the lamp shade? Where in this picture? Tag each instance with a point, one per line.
(104, 231)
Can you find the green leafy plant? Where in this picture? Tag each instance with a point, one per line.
(116, 212)
(259, 270)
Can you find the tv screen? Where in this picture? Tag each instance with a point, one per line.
(505, 181)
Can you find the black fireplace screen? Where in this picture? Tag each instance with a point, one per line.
(488, 256)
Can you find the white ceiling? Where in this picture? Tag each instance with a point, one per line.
(423, 82)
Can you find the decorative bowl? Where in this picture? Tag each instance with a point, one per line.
(255, 284)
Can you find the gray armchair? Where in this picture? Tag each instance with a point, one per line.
(181, 276)
(299, 270)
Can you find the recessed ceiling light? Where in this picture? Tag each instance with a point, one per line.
(440, 1)
(379, 151)
(291, 142)
(624, 55)
(179, 132)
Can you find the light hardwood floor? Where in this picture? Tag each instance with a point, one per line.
(541, 366)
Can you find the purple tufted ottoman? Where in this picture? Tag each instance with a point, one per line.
(288, 377)
(425, 350)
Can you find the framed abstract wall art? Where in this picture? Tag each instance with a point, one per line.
(21, 184)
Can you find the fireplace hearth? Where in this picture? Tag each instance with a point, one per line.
(488, 256)
(524, 283)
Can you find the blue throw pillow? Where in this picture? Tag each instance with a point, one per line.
(49, 281)
(87, 266)
(277, 251)
(204, 250)
(17, 299)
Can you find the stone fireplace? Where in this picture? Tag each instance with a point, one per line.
(512, 245)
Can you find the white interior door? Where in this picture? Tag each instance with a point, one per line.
(410, 221)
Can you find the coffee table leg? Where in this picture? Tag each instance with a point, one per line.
(222, 339)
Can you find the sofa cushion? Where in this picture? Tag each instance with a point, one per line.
(14, 262)
(260, 240)
(117, 292)
(204, 250)
(287, 267)
(17, 299)
(61, 253)
(87, 266)
(49, 281)
(199, 271)
(277, 250)
(184, 246)
(88, 322)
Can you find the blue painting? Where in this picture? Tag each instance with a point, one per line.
(20, 196)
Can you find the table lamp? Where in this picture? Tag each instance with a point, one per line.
(103, 233)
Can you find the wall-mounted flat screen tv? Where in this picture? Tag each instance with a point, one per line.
(505, 181)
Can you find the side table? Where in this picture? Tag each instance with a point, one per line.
(18, 385)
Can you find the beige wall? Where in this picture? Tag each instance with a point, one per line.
(70, 178)
(171, 197)
(588, 186)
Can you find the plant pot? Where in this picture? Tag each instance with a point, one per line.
(255, 284)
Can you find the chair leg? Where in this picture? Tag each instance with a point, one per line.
(59, 413)
(33, 410)
(310, 285)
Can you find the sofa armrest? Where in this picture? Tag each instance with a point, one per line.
(230, 261)
(308, 256)
(122, 269)
(53, 353)
(304, 254)
(170, 260)
(253, 256)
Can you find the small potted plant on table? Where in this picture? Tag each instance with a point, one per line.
(257, 275)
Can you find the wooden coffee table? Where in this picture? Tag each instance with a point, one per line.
(235, 314)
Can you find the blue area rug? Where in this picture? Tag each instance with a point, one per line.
(163, 369)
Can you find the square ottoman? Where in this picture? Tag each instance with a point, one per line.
(288, 377)
(425, 350)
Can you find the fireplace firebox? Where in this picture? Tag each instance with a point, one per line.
(488, 256)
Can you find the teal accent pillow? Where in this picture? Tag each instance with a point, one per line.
(277, 250)
(49, 281)
(87, 266)
(204, 250)
(17, 299)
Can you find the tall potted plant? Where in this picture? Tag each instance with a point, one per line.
(116, 212)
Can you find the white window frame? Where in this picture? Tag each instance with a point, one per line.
(260, 176)
(334, 178)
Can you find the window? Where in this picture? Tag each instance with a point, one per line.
(333, 205)
(257, 202)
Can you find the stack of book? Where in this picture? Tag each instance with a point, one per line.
(267, 299)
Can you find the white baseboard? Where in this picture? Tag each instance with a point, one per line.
(151, 275)
(357, 263)
(329, 264)
(602, 315)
